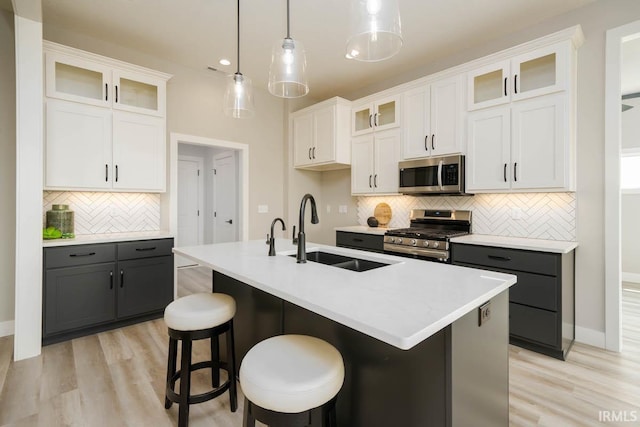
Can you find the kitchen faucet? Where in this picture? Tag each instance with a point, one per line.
(302, 250)
(271, 240)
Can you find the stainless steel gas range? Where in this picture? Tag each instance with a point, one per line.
(429, 234)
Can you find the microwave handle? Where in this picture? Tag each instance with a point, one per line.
(440, 175)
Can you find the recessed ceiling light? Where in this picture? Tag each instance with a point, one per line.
(224, 61)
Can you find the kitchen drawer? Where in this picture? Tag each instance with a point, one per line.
(510, 259)
(364, 241)
(535, 290)
(75, 255)
(144, 249)
(533, 324)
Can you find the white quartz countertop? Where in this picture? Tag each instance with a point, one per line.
(555, 246)
(107, 238)
(401, 304)
(363, 229)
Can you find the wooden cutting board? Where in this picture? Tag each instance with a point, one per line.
(382, 213)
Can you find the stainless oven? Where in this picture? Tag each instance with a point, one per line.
(435, 175)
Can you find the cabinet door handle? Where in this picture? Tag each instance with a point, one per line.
(505, 86)
(309, 153)
(426, 142)
(515, 171)
(313, 152)
(515, 83)
(370, 123)
(375, 119)
(505, 172)
(121, 278)
(375, 180)
(106, 91)
(111, 280)
(370, 181)
(116, 94)
(433, 141)
(499, 258)
(116, 173)
(81, 255)
(106, 173)
(152, 248)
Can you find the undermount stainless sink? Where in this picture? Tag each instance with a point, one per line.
(341, 261)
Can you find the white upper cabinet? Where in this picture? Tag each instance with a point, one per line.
(380, 114)
(105, 123)
(321, 135)
(539, 72)
(432, 119)
(374, 163)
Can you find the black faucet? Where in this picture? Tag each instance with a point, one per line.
(271, 240)
(302, 250)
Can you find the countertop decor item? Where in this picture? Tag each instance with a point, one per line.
(61, 218)
(382, 213)
(372, 221)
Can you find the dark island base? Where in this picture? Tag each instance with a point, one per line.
(386, 386)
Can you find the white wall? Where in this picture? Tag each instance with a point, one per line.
(595, 19)
(7, 167)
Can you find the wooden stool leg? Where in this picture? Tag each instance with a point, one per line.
(185, 383)
(247, 419)
(231, 364)
(171, 369)
(215, 361)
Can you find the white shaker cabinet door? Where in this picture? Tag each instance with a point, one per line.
(362, 153)
(386, 178)
(446, 123)
(539, 151)
(139, 151)
(302, 139)
(488, 150)
(78, 146)
(324, 130)
(416, 122)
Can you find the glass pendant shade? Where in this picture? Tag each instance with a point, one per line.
(375, 31)
(288, 72)
(238, 98)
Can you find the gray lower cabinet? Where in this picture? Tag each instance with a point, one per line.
(542, 303)
(363, 241)
(91, 288)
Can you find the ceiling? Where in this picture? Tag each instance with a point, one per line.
(197, 33)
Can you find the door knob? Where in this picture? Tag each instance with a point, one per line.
(229, 221)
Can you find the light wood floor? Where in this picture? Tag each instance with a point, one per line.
(116, 378)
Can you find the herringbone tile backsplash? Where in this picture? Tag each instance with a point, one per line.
(543, 215)
(99, 212)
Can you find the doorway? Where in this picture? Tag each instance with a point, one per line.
(225, 200)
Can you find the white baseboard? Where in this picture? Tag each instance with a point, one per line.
(590, 337)
(7, 328)
(631, 277)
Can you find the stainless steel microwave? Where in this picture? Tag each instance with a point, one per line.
(433, 176)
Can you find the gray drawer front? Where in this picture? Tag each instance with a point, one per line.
(144, 249)
(535, 290)
(510, 259)
(66, 256)
(533, 324)
(367, 242)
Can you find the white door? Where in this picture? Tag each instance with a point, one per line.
(386, 178)
(225, 199)
(189, 209)
(415, 121)
(445, 117)
(302, 139)
(324, 148)
(362, 164)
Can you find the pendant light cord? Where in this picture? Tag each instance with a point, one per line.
(238, 46)
(288, 33)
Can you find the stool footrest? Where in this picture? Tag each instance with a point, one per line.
(202, 397)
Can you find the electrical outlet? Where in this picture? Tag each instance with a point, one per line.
(484, 313)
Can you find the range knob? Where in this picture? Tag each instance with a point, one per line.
(426, 243)
(436, 244)
(414, 242)
(398, 241)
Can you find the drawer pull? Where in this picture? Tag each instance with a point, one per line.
(79, 255)
(499, 258)
(121, 278)
(358, 240)
(111, 280)
(153, 248)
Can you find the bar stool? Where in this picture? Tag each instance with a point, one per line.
(291, 380)
(196, 317)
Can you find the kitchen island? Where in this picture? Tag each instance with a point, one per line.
(409, 331)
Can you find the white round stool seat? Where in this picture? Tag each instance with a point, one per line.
(291, 373)
(199, 311)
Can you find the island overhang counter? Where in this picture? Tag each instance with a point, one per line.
(410, 331)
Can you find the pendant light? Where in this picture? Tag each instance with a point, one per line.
(375, 30)
(287, 74)
(238, 98)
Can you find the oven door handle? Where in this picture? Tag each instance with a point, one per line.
(431, 253)
(440, 175)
